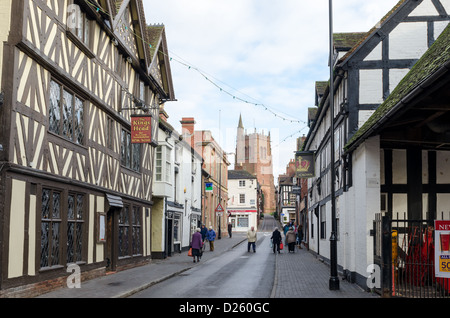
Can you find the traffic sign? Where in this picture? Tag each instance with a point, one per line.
(219, 208)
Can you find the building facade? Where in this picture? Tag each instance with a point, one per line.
(176, 191)
(242, 208)
(74, 189)
(214, 175)
(402, 153)
(365, 75)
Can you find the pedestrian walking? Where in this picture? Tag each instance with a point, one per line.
(300, 236)
(196, 245)
(211, 236)
(285, 228)
(276, 240)
(203, 232)
(230, 229)
(290, 240)
(251, 237)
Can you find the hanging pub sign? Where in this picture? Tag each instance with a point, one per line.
(442, 248)
(141, 129)
(304, 164)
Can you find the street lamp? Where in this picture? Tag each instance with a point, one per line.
(334, 279)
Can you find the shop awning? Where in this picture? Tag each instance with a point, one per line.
(114, 200)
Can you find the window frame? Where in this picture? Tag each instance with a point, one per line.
(128, 152)
(60, 107)
(130, 224)
(63, 219)
(84, 43)
(77, 221)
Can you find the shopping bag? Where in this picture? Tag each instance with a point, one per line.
(281, 246)
(190, 252)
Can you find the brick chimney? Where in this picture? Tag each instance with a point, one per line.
(187, 127)
(163, 114)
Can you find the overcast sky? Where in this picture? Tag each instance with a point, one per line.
(253, 53)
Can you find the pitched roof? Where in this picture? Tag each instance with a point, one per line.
(346, 41)
(435, 62)
(370, 33)
(156, 35)
(240, 174)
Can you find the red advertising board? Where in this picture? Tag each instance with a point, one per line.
(442, 248)
(141, 129)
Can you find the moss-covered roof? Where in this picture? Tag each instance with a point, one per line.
(154, 33)
(435, 58)
(346, 41)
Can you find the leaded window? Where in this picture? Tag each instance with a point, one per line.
(130, 242)
(130, 154)
(75, 223)
(136, 222)
(66, 112)
(50, 228)
(62, 228)
(78, 23)
(124, 226)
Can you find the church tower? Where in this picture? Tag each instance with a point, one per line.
(254, 155)
(240, 144)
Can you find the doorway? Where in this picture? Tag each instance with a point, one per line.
(111, 239)
(169, 237)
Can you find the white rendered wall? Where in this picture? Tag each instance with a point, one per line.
(366, 198)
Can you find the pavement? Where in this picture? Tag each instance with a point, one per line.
(298, 275)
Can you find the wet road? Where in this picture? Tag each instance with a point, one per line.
(236, 273)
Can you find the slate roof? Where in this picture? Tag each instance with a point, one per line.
(435, 61)
(240, 174)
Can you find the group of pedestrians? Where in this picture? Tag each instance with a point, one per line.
(198, 241)
(293, 237)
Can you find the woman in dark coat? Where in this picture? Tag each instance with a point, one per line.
(196, 245)
(276, 240)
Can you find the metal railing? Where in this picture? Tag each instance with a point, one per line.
(404, 250)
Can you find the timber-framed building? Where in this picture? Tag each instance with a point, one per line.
(74, 189)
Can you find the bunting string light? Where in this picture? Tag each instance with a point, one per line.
(290, 136)
(210, 79)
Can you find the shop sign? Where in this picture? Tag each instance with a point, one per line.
(208, 187)
(442, 251)
(141, 129)
(304, 164)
